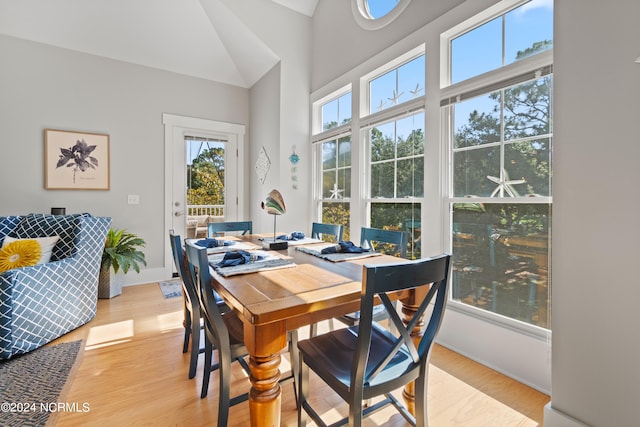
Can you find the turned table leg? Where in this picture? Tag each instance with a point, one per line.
(265, 397)
(264, 344)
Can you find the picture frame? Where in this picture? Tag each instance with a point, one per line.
(76, 160)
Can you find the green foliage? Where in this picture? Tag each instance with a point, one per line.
(120, 251)
(206, 183)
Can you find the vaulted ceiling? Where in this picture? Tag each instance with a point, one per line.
(199, 38)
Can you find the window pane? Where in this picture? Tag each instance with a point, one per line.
(410, 136)
(501, 259)
(382, 146)
(337, 213)
(476, 52)
(477, 121)
(336, 170)
(344, 183)
(344, 109)
(379, 8)
(531, 161)
(411, 177)
(336, 112)
(527, 109)
(471, 169)
(344, 152)
(399, 216)
(328, 155)
(328, 183)
(382, 179)
(411, 79)
(528, 30)
(397, 86)
(380, 90)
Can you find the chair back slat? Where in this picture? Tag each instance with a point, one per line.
(373, 236)
(215, 228)
(320, 230)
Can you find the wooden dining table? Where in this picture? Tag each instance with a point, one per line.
(270, 303)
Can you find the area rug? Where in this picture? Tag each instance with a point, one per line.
(33, 385)
(171, 289)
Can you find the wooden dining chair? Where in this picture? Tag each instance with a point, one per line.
(326, 232)
(224, 333)
(192, 311)
(215, 228)
(367, 360)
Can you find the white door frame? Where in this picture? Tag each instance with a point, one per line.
(175, 129)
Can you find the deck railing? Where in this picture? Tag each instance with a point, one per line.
(211, 210)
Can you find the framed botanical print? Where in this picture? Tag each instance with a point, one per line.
(76, 160)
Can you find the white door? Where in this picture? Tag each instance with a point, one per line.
(185, 139)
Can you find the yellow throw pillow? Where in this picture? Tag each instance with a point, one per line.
(46, 246)
(21, 253)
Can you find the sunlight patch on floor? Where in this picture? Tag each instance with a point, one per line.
(110, 334)
(170, 321)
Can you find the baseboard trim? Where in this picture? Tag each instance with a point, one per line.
(555, 418)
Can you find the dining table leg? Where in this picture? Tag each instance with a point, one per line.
(265, 397)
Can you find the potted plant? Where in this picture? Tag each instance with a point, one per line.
(120, 254)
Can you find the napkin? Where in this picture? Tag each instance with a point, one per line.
(345, 247)
(236, 258)
(296, 235)
(213, 243)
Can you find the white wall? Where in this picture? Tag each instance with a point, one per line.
(339, 43)
(280, 113)
(596, 351)
(47, 87)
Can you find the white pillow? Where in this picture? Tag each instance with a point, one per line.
(46, 245)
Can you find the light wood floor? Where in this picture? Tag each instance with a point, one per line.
(133, 373)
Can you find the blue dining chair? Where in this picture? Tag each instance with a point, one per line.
(326, 232)
(391, 242)
(192, 311)
(367, 360)
(224, 333)
(215, 228)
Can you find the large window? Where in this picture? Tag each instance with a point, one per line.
(395, 141)
(336, 183)
(332, 193)
(500, 155)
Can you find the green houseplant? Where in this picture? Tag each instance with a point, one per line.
(121, 253)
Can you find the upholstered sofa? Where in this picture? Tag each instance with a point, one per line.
(43, 302)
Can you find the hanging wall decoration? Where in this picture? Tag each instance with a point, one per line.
(294, 159)
(262, 165)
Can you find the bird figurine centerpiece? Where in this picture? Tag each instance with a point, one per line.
(274, 205)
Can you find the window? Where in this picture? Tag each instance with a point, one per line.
(500, 154)
(336, 183)
(375, 14)
(513, 36)
(336, 112)
(332, 193)
(395, 141)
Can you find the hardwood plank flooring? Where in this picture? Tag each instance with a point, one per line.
(133, 373)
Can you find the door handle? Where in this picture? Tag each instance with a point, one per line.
(178, 213)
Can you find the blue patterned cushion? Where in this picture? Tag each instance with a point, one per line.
(43, 225)
(7, 225)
